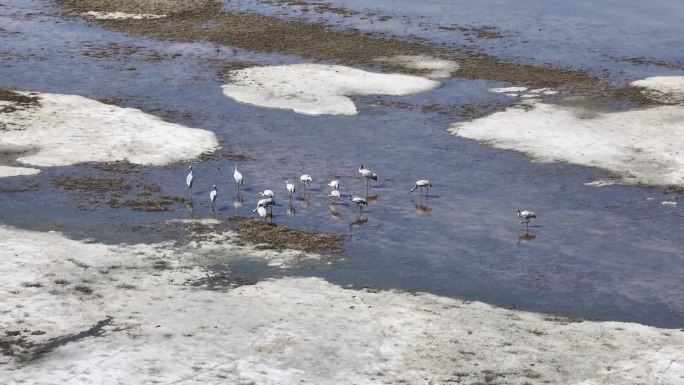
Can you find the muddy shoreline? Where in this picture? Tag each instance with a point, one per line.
(319, 42)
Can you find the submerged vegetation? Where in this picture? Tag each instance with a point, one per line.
(280, 237)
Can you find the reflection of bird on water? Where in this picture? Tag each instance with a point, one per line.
(237, 203)
(291, 209)
(334, 211)
(358, 223)
(371, 198)
(422, 208)
(306, 202)
(527, 237)
(191, 208)
(526, 216)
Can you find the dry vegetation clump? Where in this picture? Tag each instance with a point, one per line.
(162, 203)
(159, 7)
(280, 237)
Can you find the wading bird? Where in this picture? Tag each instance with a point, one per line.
(212, 197)
(368, 174)
(290, 188)
(238, 178)
(266, 203)
(262, 212)
(305, 179)
(526, 215)
(335, 194)
(188, 180)
(422, 184)
(267, 193)
(335, 184)
(360, 202)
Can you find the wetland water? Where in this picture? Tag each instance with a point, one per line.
(606, 253)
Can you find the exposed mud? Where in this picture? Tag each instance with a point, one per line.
(648, 61)
(482, 31)
(162, 203)
(280, 237)
(18, 100)
(318, 42)
(90, 184)
(165, 7)
(124, 167)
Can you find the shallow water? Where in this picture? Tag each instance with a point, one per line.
(580, 34)
(603, 253)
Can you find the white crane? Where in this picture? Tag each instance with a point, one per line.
(266, 203)
(334, 184)
(290, 188)
(267, 194)
(360, 202)
(368, 174)
(212, 197)
(335, 194)
(305, 180)
(526, 215)
(262, 212)
(188, 179)
(422, 184)
(237, 175)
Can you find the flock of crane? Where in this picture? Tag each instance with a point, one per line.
(264, 206)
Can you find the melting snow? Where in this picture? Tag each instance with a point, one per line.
(70, 129)
(317, 89)
(664, 89)
(641, 146)
(165, 328)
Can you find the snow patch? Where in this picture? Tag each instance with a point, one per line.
(121, 16)
(70, 129)
(664, 89)
(433, 67)
(505, 90)
(317, 89)
(286, 331)
(641, 146)
(6, 171)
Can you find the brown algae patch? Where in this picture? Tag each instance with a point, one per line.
(316, 41)
(281, 237)
(117, 193)
(162, 203)
(90, 184)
